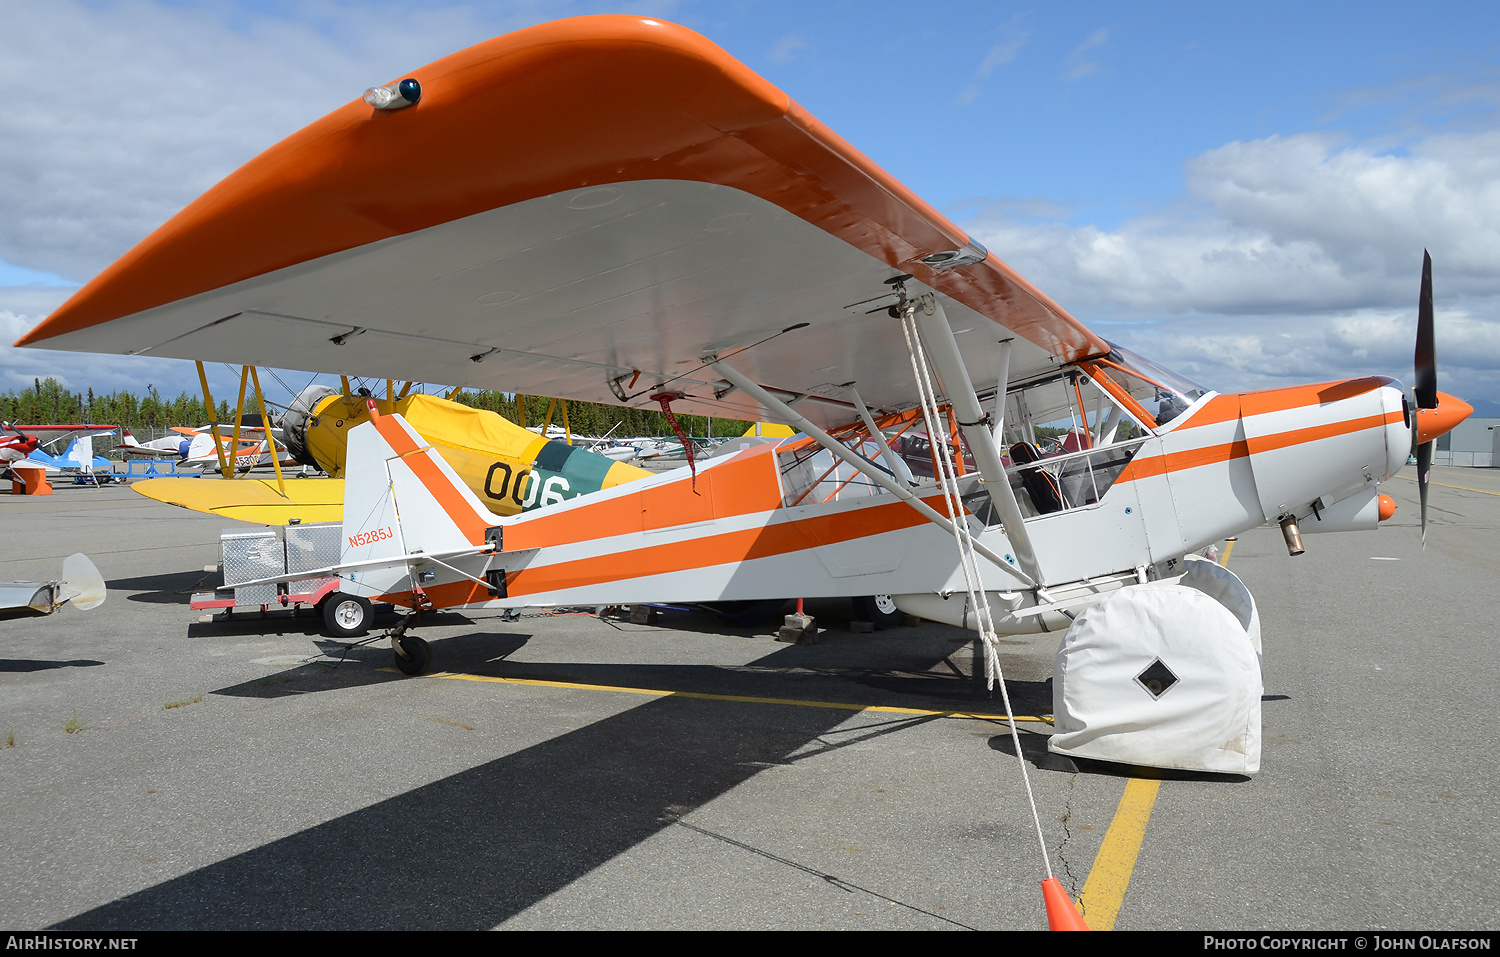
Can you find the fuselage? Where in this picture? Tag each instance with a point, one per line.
(786, 520)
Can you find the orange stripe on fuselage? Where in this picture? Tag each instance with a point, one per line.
(1142, 468)
(743, 485)
(1240, 448)
(740, 487)
(1226, 408)
(1221, 408)
(725, 549)
(728, 548)
(432, 478)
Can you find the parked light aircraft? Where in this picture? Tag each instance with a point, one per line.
(678, 233)
(17, 442)
(168, 446)
(675, 231)
(191, 447)
(194, 448)
(15, 445)
(511, 468)
(77, 458)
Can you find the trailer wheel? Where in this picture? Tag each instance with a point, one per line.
(347, 616)
(879, 610)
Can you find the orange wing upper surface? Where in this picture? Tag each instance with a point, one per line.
(574, 105)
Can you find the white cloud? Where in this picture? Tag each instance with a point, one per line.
(1369, 210)
(1080, 64)
(119, 114)
(1285, 223)
(1252, 352)
(1291, 259)
(1013, 37)
(77, 371)
(788, 48)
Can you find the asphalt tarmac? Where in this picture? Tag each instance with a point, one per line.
(696, 775)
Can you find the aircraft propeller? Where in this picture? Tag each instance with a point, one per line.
(1425, 384)
(1437, 412)
(83, 585)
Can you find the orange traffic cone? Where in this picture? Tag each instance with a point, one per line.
(1061, 914)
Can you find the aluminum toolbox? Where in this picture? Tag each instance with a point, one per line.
(309, 547)
(248, 556)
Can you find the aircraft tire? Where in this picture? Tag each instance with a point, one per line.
(878, 610)
(347, 616)
(418, 655)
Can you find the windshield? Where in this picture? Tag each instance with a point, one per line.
(1162, 393)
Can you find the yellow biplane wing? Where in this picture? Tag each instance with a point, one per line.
(252, 500)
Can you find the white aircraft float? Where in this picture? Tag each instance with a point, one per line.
(614, 209)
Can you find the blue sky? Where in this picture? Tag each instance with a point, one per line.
(1241, 191)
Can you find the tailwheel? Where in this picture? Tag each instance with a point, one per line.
(413, 655)
(347, 616)
(879, 610)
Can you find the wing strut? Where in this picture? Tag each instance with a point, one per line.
(213, 420)
(937, 335)
(790, 416)
(891, 462)
(1002, 382)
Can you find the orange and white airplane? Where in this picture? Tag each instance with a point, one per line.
(194, 448)
(613, 209)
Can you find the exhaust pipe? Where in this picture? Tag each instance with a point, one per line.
(1293, 536)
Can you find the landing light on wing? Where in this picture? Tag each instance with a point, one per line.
(394, 96)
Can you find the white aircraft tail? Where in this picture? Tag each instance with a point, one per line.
(202, 444)
(400, 496)
(81, 452)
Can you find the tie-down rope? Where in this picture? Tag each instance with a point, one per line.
(968, 560)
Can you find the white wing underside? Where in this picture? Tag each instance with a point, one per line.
(631, 283)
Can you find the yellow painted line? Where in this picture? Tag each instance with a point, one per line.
(1109, 878)
(739, 699)
(1462, 488)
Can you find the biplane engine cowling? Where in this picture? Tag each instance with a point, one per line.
(294, 422)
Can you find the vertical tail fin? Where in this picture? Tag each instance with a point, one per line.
(81, 452)
(400, 496)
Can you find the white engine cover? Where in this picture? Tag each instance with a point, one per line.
(1166, 675)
